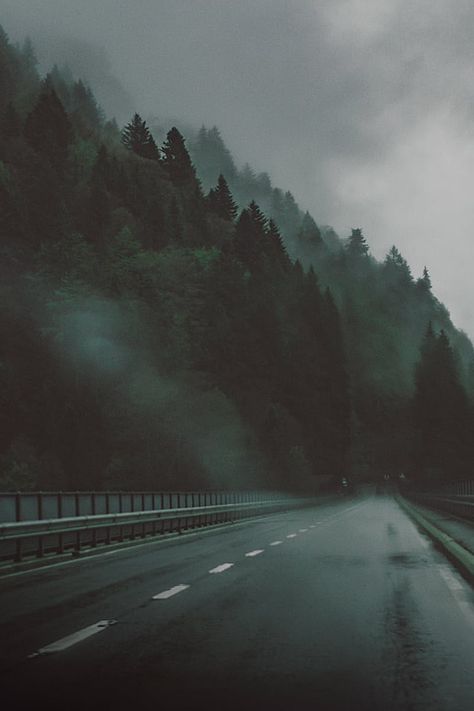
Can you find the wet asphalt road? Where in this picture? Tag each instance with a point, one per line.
(355, 611)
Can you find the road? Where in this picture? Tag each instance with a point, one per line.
(341, 606)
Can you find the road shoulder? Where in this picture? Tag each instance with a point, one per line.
(434, 525)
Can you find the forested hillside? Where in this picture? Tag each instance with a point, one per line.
(168, 320)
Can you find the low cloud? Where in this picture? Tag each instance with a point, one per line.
(363, 108)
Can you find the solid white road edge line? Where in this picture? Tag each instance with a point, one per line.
(61, 644)
(252, 554)
(458, 590)
(169, 593)
(221, 568)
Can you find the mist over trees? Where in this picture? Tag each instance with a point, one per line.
(169, 320)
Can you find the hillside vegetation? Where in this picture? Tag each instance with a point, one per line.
(168, 320)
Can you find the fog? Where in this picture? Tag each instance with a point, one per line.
(103, 344)
(362, 108)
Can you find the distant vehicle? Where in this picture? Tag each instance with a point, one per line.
(346, 486)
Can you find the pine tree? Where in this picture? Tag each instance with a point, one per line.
(11, 123)
(212, 157)
(102, 167)
(423, 284)
(221, 202)
(258, 218)
(309, 233)
(48, 129)
(29, 63)
(28, 54)
(7, 70)
(397, 267)
(250, 236)
(443, 448)
(274, 247)
(84, 107)
(177, 161)
(336, 391)
(357, 245)
(57, 81)
(136, 137)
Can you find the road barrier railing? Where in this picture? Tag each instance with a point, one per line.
(460, 506)
(35, 538)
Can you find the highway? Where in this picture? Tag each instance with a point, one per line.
(341, 606)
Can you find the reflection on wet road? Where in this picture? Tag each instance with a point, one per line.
(343, 606)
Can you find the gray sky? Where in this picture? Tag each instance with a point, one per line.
(364, 109)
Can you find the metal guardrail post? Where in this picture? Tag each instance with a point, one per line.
(132, 508)
(94, 511)
(107, 511)
(60, 515)
(153, 506)
(40, 516)
(178, 524)
(120, 511)
(19, 550)
(77, 504)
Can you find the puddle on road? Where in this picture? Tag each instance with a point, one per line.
(342, 560)
(409, 560)
(410, 665)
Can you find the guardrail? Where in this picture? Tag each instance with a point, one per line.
(26, 506)
(460, 506)
(38, 537)
(465, 487)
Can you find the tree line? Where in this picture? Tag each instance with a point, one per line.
(170, 321)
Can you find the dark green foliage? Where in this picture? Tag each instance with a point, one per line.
(86, 114)
(357, 245)
(309, 233)
(442, 416)
(212, 157)
(48, 128)
(396, 267)
(424, 282)
(136, 137)
(11, 123)
(250, 236)
(151, 338)
(274, 247)
(221, 202)
(177, 161)
(7, 70)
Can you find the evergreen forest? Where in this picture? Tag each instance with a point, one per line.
(170, 320)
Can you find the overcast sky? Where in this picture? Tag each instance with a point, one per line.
(364, 109)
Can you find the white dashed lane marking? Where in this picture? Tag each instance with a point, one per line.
(276, 543)
(171, 592)
(221, 568)
(65, 642)
(291, 535)
(303, 530)
(252, 554)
